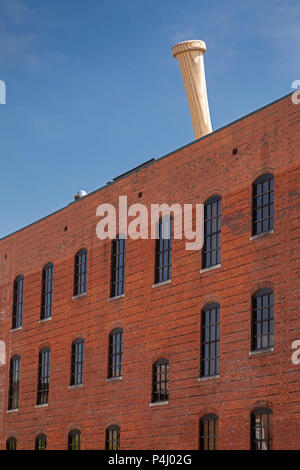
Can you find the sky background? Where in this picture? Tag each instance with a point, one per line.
(93, 89)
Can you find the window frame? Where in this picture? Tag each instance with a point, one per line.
(47, 291)
(18, 302)
(209, 232)
(212, 326)
(160, 380)
(115, 354)
(41, 442)
(112, 443)
(80, 272)
(43, 375)
(74, 439)
(163, 248)
(260, 294)
(77, 362)
(10, 440)
(269, 219)
(257, 443)
(14, 382)
(206, 436)
(118, 263)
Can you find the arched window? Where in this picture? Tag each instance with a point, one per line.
(14, 382)
(115, 353)
(80, 272)
(118, 266)
(160, 390)
(41, 442)
(18, 302)
(263, 204)
(261, 429)
(44, 376)
(211, 251)
(47, 291)
(74, 440)
(11, 443)
(163, 250)
(262, 319)
(209, 432)
(77, 363)
(210, 340)
(112, 441)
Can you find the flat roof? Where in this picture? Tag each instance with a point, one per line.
(152, 161)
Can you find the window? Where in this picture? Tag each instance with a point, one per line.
(261, 429)
(112, 438)
(211, 252)
(118, 266)
(74, 441)
(77, 362)
(14, 382)
(163, 250)
(11, 443)
(47, 291)
(262, 319)
(210, 340)
(80, 272)
(41, 442)
(115, 353)
(160, 381)
(44, 376)
(209, 432)
(18, 302)
(263, 204)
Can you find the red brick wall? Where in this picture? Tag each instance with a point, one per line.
(165, 321)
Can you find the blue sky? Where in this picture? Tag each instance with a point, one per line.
(93, 90)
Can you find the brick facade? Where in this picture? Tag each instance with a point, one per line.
(165, 321)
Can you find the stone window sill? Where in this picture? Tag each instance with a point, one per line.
(42, 406)
(258, 352)
(78, 296)
(159, 284)
(71, 387)
(159, 403)
(211, 268)
(262, 235)
(114, 379)
(15, 410)
(116, 297)
(17, 329)
(45, 320)
(211, 377)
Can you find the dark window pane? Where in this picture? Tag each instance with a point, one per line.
(18, 302)
(11, 443)
(80, 272)
(211, 252)
(118, 267)
(77, 362)
(43, 376)
(112, 441)
(14, 382)
(47, 291)
(74, 441)
(209, 432)
(210, 339)
(262, 319)
(160, 390)
(163, 250)
(263, 209)
(115, 353)
(41, 442)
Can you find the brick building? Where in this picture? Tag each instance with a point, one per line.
(174, 386)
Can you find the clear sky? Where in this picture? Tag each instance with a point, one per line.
(93, 90)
